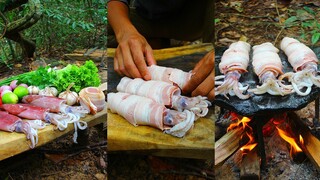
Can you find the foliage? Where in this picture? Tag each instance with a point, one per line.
(216, 21)
(309, 22)
(65, 26)
(68, 24)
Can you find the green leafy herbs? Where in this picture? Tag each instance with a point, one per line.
(42, 77)
(82, 76)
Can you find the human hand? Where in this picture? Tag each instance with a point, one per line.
(202, 80)
(132, 56)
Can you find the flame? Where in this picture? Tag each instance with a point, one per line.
(250, 145)
(301, 139)
(294, 146)
(244, 121)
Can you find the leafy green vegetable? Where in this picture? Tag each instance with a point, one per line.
(82, 76)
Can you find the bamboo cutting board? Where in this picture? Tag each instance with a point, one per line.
(198, 142)
(15, 143)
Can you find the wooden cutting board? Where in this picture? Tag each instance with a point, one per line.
(15, 143)
(198, 142)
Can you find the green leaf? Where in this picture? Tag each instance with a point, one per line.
(290, 21)
(74, 24)
(307, 24)
(216, 21)
(315, 38)
(309, 10)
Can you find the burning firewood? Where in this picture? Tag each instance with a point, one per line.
(250, 165)
(311, 144)
(227, 145)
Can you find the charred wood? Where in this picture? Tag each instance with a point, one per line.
(250, 165)
(311, 144)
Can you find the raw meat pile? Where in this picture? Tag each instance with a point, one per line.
(37, 111)
(158, 102)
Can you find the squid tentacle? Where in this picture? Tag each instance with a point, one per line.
(32, 134)
(60, 120)
(80, 110)
(181, 128)
(198, 105)
(232, 86)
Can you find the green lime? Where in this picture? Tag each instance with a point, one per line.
(21, 91)
(10, 98)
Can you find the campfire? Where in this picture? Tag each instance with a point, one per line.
(245, 138)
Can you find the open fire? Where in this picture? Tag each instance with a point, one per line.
(295, 148)
(274, 123)
(244, 124)
(257, 142)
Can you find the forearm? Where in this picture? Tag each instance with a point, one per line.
(118, 17)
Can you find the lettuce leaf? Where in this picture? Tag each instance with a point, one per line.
(82, 76)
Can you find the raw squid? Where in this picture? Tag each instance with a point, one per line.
(165, 94)
(32, 112)
(57, 105)
(304, 62)
(267, 65)
(10, 123)
(234, 62)
(140, 110)
(170, 75)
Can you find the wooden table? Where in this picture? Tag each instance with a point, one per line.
(15, 143)
(198, 142)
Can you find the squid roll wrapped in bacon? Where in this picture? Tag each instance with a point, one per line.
(139, 110)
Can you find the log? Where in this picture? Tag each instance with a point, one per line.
(227, 145)
(311, 146)
(159, 54)
(250, 165)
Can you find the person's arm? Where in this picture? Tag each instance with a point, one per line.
(133, 53)
(202, 80)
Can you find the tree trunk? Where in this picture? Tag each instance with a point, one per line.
(13, 29)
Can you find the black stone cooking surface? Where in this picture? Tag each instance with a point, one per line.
(263, 104)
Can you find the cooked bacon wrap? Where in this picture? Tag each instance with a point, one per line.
(298, 53)
(266, 58)
(236, 57)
